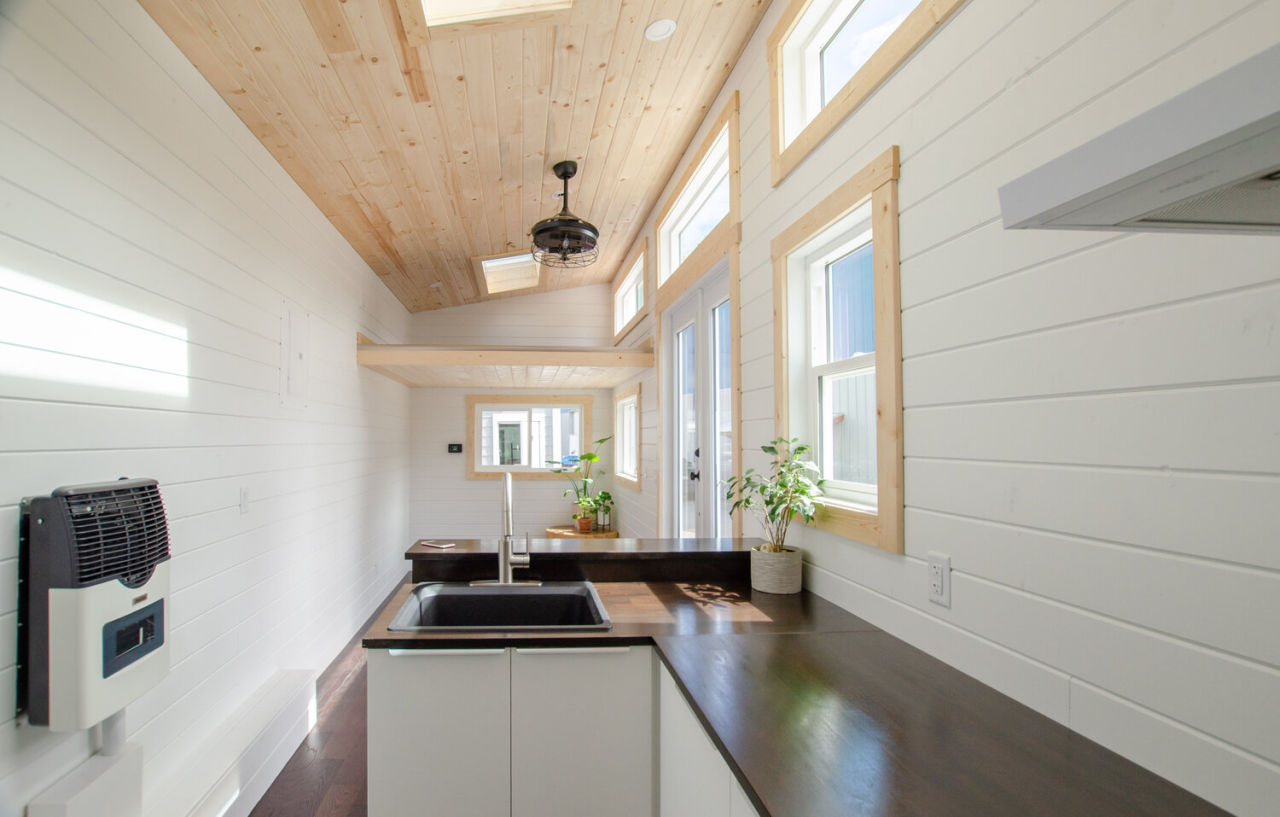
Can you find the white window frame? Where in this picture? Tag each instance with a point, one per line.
(712, 170)
(808, 268)
(799, 121)
(624, 398)
(629, 298)
(533, 456)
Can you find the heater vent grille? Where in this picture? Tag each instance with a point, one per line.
(119, 534)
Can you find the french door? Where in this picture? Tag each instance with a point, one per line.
(698, 410)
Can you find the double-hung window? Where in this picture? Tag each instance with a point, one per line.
(527, 436)
(842, 359)
(827, 56)
(838, 362)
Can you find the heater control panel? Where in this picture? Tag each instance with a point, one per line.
(130, 637)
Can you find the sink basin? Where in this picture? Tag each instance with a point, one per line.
(446, 607)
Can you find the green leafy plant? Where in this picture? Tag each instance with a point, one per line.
(586, 507)
(792, 487)
(578, 471)
(604, 502)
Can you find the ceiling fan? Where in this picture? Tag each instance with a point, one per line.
(564, 240)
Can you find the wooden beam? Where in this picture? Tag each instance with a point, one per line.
(449, 356)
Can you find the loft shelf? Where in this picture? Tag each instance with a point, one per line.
(520, 367)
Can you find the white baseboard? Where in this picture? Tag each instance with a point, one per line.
(114, 779)
(241, 760)
(235, 759)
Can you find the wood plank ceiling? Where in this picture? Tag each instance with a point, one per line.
(430, 146)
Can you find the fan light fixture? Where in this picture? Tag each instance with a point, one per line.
(564, 240)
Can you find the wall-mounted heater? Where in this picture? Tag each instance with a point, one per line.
(1206, 160)
(94, 572)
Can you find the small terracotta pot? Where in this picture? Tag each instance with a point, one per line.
(584, 524)
(776, 572)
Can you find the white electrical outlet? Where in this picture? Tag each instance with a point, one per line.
(940, 578)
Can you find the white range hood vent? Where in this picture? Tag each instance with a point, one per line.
(1206, 160)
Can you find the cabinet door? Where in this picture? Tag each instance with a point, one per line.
(694, 781)
(439, 733)
(582, 732)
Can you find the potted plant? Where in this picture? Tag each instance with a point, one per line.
(578, 471)
(792, 487)
(604, 510)
(585, 517)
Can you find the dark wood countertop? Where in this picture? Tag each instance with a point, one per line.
(837, 724)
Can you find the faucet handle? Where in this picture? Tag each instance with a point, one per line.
(521, 559)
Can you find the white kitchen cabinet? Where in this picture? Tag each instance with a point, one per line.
(694, 779)
(582, 732)
(514, 732)
(439, 733)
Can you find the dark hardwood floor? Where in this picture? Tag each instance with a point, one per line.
(327, 775)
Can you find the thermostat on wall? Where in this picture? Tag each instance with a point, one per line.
(455, 448)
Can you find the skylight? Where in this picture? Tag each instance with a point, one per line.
(446, 12)
(508, 273)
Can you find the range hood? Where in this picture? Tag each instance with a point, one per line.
(1206, 160)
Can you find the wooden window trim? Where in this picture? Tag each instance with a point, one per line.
(728, 232)
(878, 182)
(618, 396)
(915, 29)
(640, 250)
(584, 401)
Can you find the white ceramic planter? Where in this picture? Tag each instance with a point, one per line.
(775, 572)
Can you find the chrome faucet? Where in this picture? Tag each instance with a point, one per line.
(507, 557)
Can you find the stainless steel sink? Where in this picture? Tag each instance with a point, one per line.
(446, 607)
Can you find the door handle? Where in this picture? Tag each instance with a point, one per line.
(695, 475)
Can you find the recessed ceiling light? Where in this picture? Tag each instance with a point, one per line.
(660, 29)
(435, 285)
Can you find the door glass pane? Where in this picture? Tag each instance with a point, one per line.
(687, 429)
(722, 457)
(509, 443)
(849, 426)
(851, 322)
(864, 32)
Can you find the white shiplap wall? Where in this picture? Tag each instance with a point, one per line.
(582, 316)
(1090, 422)
(149, 246)
(444, 503)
